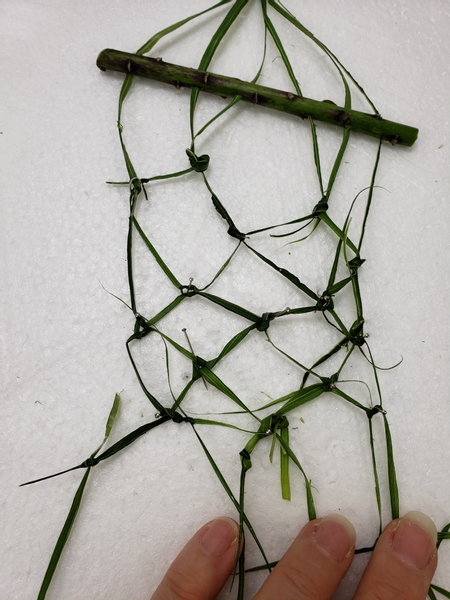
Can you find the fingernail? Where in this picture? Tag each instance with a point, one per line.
(220, 536)
(336, 536)
(415, 539)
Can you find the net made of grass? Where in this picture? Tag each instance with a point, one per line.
(275, 280)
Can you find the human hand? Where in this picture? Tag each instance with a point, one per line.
(401, 567)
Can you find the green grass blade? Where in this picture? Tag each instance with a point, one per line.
(271, 565)
(288, 356)
(222, 268)
(155, 38)
(337, 287)
(369, 199)
(53, 475)
(341, 234)
(338, 161)
(293, 222)
(334, 268)
(216, 382)
(63, 537)
(284, 466)
(246, 464)
(224, 213)
(342, 394)
(230, 494)
(205, 61)
(177, 346)
(109, 426)
(375, 476)
(393, 486)
(164, 177)
(293, 78)
(156, 256)
(445, 593)
(238, 310)
(236, 99)
(301, 397)
(150, 396)
(444, 534)
(149, 44)
(290, 17)
(198, 421)
(324, 358)
(165, 311)
(132, 437)
(309, 497)
(285, 273)
(229, 346)
(110, 423)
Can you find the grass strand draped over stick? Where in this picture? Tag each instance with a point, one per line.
(320, 377)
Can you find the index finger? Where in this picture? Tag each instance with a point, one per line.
(315, 563)
(403, 561)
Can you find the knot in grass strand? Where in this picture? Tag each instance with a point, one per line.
(357, 340)
(269, 425)
(356, 335)
(264, 322)
(188, 290)
(178, 418)
(279, 422)
(201, 362)
(320, 207)
(325, 302)
(234, 232)
(141, 322)
(355, 263)
(245, 460)
(90, 462)
(375, 410)
(135, 186)
(329, 383)
(198, 163)
(197, 364)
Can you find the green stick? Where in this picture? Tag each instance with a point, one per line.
(155, 68)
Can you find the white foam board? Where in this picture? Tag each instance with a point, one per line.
(63, 242)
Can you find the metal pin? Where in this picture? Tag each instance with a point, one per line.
(290, 96)
(190, 345)
(129, 66)
(205, 77)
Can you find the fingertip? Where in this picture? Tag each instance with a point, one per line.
(203, 566)
(336, 536)
(424, 521)
(403, 562)
(414, 539)
(221, 535)
(315, 563)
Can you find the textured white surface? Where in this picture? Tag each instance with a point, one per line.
(63, 235)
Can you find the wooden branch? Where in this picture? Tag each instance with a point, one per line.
(221, 85)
